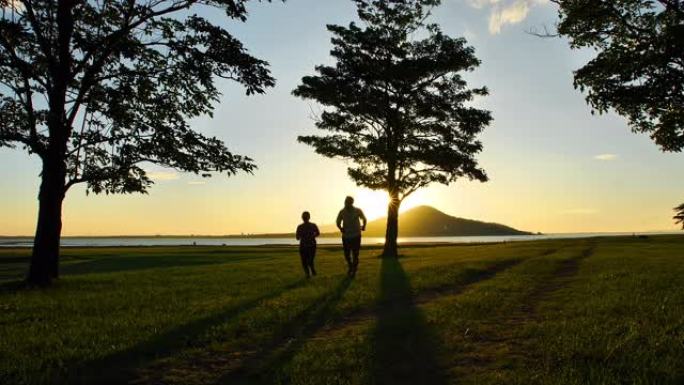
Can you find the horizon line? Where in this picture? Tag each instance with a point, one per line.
(290, 233)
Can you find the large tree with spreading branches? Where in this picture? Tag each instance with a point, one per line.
(98, 88)
(395, 106)
(638, 70)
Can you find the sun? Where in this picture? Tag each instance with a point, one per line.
(374, 203)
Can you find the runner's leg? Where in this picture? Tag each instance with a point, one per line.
(356, 250)
(303, 256)
(346, 244)
(311, 253)
(311, 260)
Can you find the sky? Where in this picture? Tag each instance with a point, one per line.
(553, 166)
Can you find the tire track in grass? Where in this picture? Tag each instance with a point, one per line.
(270, 365)
(561, 277)
(428, 295)
(315, 322)
(367, 315)
(337, 328)
(502, 346)
(255, 368)
(397, 314)
(422, 297)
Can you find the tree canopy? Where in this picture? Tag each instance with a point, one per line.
(638, 70)
(397, 106)
(639, 67)
(97, 89)
(122, 79)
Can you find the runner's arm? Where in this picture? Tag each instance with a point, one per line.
(339, 221)
(363, 219)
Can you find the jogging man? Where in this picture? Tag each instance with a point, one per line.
(349, 222)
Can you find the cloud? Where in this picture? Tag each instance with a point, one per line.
(505, 12)
(606, 157)
(511, 14)
(163, 175)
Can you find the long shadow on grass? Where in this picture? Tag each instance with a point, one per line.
(133, 263)
(405, 347)
(119, 368)
(266, 366)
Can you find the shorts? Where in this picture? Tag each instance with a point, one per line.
(351, 244)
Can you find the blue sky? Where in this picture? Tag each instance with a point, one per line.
(554, 167)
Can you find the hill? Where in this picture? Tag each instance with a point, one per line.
(426, 221)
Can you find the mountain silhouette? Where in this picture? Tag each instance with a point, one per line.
(427, 221)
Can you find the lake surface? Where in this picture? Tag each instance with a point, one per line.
(218, 241)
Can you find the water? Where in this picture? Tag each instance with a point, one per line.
(226, 241)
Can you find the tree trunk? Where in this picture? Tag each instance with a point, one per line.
(391, 248)
(45, 257)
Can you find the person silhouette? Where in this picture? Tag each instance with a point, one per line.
(306, 235)
(348, 221)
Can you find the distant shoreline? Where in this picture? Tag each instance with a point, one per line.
(246, 236)
(284, 235)
(7, 243)
(335, 235)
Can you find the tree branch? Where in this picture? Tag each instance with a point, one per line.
(110, 43)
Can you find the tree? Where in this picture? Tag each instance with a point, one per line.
(679, 216)
(96, 89)
(639, 67)
(395, 106)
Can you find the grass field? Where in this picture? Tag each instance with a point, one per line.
(590, 311)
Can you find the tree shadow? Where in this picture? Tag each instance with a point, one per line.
(15, 268)
(266, 367)
(13, 285)
(405, 347)
(124, 264)
(119, 368)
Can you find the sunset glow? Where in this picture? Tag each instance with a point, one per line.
(374, 203)
(553, 166)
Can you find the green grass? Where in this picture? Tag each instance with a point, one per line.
(599, 311)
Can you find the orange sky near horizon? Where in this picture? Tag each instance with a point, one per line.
(181, 204)
(553, 166)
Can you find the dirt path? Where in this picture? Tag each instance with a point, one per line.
(500, 343)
